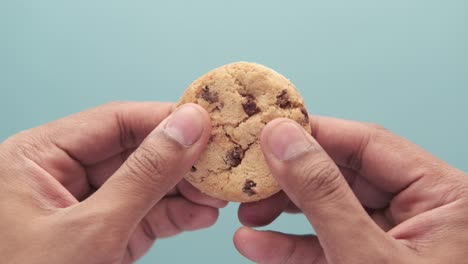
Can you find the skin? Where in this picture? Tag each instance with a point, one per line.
(102, 185)
(371, 196)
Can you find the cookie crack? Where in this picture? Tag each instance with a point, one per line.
(239, 150)
(230, 137)
(220, 171)
(250, 145)
(237, 144)
(240, 122)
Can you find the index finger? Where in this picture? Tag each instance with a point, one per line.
(382, 158)
(102, 132)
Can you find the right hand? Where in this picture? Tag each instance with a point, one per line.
(371, 196)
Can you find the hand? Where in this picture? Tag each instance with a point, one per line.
(371, 196)
(100, 186)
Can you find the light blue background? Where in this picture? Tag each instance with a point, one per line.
(400, 63)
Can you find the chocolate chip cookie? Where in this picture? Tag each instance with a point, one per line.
(241, 99)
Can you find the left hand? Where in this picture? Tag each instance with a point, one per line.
(83, 190)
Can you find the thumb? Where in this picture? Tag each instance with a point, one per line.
(158, 164)
(315, 184)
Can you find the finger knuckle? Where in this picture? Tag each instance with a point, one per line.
(148, 163)
(176, 221)
(321, 180)
(291, 248)
(27, 146)
(115, 103)
(356, 158)
(27, 149)
(377, 127)
(148, 229)
(127, 136)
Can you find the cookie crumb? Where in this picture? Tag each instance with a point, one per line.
(249, 184)
(283, 99)
(235, 156)
(250, 107)
(209, 96)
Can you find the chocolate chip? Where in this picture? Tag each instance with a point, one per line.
(250, 107)
(193, 169)
(235, 156)
(283, 99)
(304, 112)
(209, 96)
(249, 184)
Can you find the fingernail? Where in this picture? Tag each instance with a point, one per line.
(287, 140)
(185, 125)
